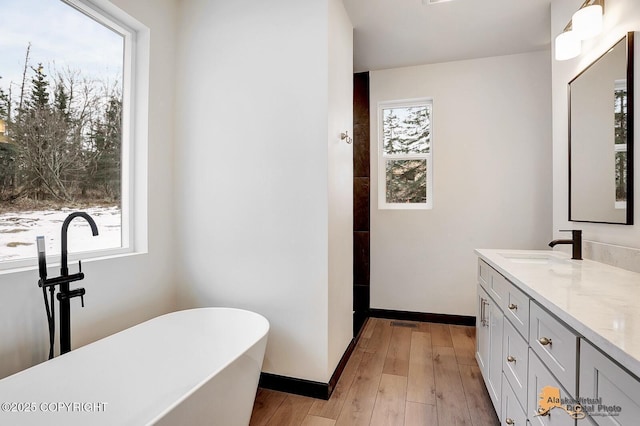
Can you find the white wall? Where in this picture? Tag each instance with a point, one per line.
(340, 182)
(620, 16)
(121, 291)
(492, 179)
(253, 166)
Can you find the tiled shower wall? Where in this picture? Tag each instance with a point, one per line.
(361, 204)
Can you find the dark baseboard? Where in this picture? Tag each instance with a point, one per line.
(333, 381)
(292, 385)
(423, 317)
(304, 387)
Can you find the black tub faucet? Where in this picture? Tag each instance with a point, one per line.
(575, 241)
(64, 267)
(65, 294)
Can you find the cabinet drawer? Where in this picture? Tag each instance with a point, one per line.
(484, 272)
(602, 378)
(515, 362)
(512, 412)
(539, 378)
(516, 308)
(556, 346)
(494, 283)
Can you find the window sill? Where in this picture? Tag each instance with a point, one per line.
(27, 265)
(405, 207)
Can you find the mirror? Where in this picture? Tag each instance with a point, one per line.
(601, 138)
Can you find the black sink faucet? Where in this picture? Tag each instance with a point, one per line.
(575, 241)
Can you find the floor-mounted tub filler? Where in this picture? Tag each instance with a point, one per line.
(192, 367)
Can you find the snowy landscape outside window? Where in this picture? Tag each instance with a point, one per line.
(405, 155)
(62, 96)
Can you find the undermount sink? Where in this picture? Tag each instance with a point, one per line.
(533, 258)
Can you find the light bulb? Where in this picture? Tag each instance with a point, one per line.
(587, 22)
(567, 46)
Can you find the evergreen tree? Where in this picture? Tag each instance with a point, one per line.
(61, 100)
(39, 99)
(391, 127)
(417, 133)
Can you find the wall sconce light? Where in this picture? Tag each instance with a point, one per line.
(584, 24)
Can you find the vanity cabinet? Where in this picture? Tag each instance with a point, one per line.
(561, 338)
(521, 348)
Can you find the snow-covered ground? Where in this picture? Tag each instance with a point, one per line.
(18, 231)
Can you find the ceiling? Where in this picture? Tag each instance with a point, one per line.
(397, 33)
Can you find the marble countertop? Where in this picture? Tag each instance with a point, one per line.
(600, 302)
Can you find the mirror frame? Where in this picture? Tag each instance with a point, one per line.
(629, 37)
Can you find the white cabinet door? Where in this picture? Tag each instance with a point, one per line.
(489, 321)
(617, 392)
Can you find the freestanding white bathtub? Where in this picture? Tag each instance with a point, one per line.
(192, 367)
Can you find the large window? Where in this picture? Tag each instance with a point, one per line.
(405, 166)
(65, 104)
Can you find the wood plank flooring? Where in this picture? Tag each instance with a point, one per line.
(401, 373)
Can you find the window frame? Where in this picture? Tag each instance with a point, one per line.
(134, 148)
(383, 158)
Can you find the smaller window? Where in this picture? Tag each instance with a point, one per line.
(405, 167)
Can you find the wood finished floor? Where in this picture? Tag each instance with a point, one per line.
(397, 375)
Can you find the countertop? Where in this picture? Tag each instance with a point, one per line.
(600, 302)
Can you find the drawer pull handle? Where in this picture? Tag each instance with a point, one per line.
(483, 311)
(513, 306)
(509, 421)
(511, 359)
(544, 341)
(543, 412)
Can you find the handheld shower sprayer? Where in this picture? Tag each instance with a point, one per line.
(42, 257)
(48, 301)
